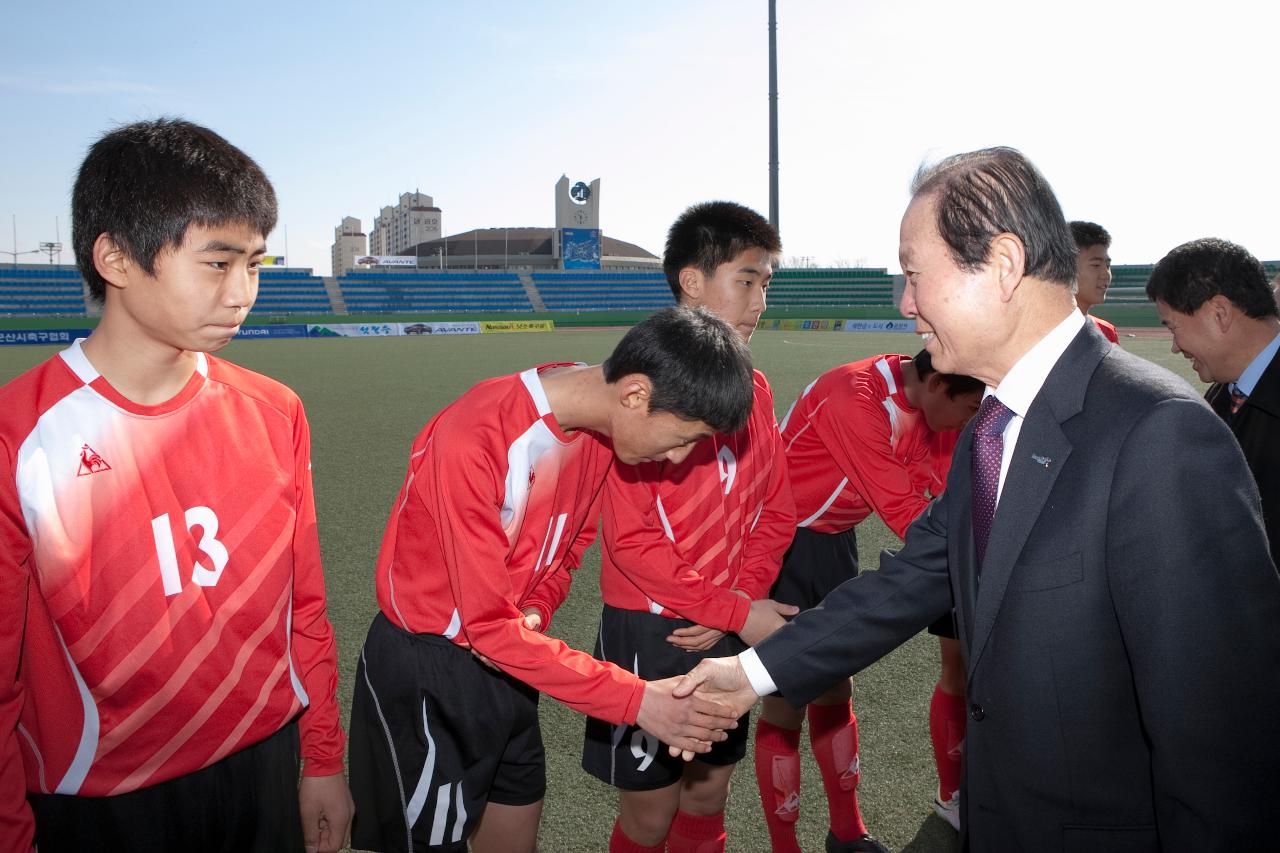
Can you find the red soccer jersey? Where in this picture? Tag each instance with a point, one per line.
(855, 446)
(162, 573)
(681, 540)
(1108, 330)
(496, 510)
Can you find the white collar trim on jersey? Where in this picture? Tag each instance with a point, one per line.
(75, 358)
(534, 386)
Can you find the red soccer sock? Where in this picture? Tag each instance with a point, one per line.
(946, 728)
(619, 842)
(778, 777)
(833, 734)
(696, 833)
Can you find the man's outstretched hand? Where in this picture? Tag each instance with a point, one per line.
(688, 724)
(720, 679)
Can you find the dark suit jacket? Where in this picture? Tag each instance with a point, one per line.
(1257, 428)
(1123, 644)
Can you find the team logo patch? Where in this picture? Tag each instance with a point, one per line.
(91, 462)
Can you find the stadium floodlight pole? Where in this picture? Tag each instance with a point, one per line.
(14, 254)
(773, 115)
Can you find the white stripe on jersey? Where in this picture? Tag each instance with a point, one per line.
(666, 525)
(886, 371)
(655, 607)
(555, 543)
(53, 445)
(805, 393)
(521, 456)
(83, 760)
(826, 504)
(298, 689)
(533, 384)
(419, 799)
(455, 625)
(75, 359)
(80, 366)
(538, 563)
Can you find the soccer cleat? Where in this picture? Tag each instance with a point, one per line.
(949, 809)
(865, 843)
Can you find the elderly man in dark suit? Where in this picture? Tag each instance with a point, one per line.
(1100, 541)
(1215, 298)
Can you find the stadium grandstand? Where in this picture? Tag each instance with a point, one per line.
(377, 291)
(35, 290)
(57, 290)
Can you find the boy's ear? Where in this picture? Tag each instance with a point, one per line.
(691, 284)
(933, 383)
(111, 261)
(634, 390)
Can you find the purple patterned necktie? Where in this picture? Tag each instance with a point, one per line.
(988, 448)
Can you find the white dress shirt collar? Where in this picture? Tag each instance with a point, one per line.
(1025, 379)
(1249, 378)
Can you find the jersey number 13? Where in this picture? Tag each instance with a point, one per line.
(207, 520)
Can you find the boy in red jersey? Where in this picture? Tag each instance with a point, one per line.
(165, 621)
(871, 436)
(1093, 272)
(689, 550)
(498, 505)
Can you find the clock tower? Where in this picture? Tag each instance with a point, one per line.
(577, 204)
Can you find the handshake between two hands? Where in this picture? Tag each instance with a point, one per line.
(690, 712)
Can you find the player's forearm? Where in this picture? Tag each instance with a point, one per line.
(319, 727)
(315, 652)
(575, 678)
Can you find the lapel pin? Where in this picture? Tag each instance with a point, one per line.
(1041, 460)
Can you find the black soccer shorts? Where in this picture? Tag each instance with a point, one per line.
(436, 734)
(628, 757)
(815, 564)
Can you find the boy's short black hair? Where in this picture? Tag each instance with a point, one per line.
(699, 366)
(713, 233)
(1087, 234)
(1195, 272)
(957, 383)
(145, 183)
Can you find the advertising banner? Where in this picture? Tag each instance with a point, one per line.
(800, 325)
(281, 330)
(440, 328)
(488, 326)
(273, 260)
(880, 325)
(353, 330)
(580, 248)
(14, 337)
(387, 260)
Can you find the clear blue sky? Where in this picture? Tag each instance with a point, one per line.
(1159, 121)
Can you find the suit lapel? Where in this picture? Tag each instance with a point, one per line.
(1219, 399)
(1038, 457)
